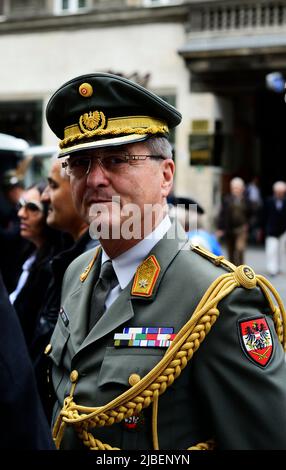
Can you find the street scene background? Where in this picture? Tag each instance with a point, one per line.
(255, 257)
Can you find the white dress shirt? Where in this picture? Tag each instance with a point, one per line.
(125, 265)
(23, 278)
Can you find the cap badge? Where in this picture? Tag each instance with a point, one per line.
(145, 278)
(85, 90)
(91, 121)
(256, 340)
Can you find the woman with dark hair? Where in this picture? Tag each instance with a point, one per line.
(36, 272)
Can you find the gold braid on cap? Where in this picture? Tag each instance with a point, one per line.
(113, 132)
(147, 391)
(95, 123)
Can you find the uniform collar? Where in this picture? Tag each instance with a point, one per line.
(126, 264)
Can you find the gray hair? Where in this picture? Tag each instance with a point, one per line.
(236, 181)
(160, 146)
(279, 186)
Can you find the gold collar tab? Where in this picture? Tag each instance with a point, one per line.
(145, 278)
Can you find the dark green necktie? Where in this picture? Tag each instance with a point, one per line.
(106, 282)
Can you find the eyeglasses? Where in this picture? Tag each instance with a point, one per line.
(33, 206)
(81, 166)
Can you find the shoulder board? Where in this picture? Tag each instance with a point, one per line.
(217, 260)
(244, 275)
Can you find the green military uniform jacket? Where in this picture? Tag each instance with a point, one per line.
(221, 393)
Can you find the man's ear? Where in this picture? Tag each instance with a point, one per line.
(168, 170)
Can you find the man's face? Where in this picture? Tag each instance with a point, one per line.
(58, 194)
(279, 191)
(128, 191)
(237, 189)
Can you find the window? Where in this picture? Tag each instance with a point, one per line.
(19, 9)
(69, 6)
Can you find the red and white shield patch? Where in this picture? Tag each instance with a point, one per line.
(256, 340)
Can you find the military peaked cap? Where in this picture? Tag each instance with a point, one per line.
(101, 109)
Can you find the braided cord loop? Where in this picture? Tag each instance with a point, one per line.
(149, 388)
(112, 132)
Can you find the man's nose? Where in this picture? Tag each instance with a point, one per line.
(45, 196)
(21, 212)
(97, 173)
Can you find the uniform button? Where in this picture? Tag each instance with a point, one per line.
(134, 379)
(48, 349)
(74, 376)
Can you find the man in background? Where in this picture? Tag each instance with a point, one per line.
(61, 216)
(233, 221)
(275, 228)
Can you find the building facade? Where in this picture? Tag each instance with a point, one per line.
(208, 58)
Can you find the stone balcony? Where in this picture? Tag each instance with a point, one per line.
(39, 15)
(231, 42)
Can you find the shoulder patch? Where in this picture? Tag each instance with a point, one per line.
(256, 340)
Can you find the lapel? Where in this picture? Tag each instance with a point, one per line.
(76, 305)
(123, 308)
(118, 313)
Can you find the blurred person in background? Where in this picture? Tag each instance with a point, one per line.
(254, 197)
(233, 221)
(62, 216)
(275, 227)
(24, 425)
(28, 295)
(190, 215)
(12, 245)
